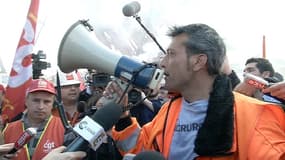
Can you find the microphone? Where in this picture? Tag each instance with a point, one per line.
(81, 107)
(24, 138)
(256, 81)
(145, 155)
(84, 110)
(260, 83)
(131, 9)
(91, 130)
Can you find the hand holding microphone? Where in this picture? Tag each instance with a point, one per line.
(6, 148)
(9, 150)
(262, 84)
(23, 139)
(277, 90)
(92, 130)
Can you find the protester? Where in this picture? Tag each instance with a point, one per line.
(208, 120)
(260, 67)
(70, 90)
(50, 131)
(263, 69)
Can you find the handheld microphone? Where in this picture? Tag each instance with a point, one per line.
(24, 138)
(260, 83)
(144, 155)
(131, 9)
(84, 110)
(255, 81)
(81, 107)
(91, 130)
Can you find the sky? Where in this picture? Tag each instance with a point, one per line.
(241, 23)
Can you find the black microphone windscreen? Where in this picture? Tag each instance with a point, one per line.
(108, 115)
(131, 9)
(81, 106)
(149, 155)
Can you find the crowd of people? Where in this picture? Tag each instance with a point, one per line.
(201, 111)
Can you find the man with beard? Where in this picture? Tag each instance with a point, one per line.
(206, 120)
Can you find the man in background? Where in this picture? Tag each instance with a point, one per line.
(70, 89)
(49, 129)
(261, 68)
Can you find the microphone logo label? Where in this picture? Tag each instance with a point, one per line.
(99, 140)
(84, 126)
(88, 129)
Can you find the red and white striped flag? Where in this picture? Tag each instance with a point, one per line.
(82, 83)
(21, 72)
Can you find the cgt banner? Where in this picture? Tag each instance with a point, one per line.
(21, 72)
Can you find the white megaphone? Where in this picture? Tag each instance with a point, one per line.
(80, 48)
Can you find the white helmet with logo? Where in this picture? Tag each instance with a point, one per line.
(67, 78)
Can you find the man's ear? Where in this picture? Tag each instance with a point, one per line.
(200, 61)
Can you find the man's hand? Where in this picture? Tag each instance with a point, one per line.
(56, 154)
(276, 90)
(114, 91)
(4, 149)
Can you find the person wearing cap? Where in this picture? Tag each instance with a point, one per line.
(39, 101)
(70, 89)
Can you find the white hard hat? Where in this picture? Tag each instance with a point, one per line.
(67, 78)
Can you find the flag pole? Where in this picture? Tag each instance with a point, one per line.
(263, 47)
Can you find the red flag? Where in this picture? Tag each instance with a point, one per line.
(82, 83)
(21, 72)
(263, 47)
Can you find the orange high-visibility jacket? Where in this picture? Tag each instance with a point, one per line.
(259, 131)
(52, 137)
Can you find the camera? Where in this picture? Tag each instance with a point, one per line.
(100, 79)
(38, 64)
(134, 96)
